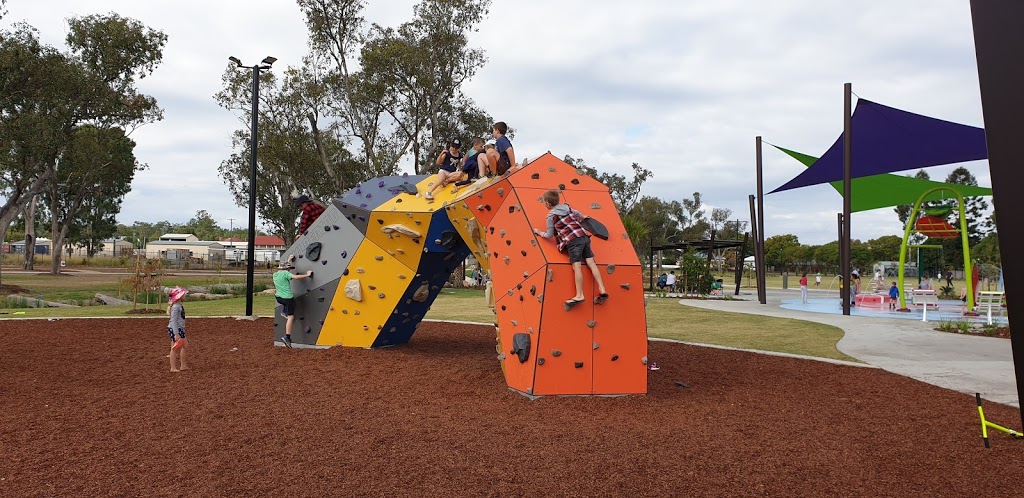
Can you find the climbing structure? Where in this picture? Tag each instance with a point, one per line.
(381, 253)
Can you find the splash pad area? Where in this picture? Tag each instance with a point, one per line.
(947, 310)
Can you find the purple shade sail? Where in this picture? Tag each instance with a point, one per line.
(886, 140)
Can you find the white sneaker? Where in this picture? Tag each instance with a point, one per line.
(429, 196)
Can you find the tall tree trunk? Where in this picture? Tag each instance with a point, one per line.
(335, 176)
(30, 234)
(56, 238)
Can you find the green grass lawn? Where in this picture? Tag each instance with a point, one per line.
(666, 318)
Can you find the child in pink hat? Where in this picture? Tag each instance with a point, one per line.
(176, 327)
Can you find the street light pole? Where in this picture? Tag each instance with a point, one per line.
(254, 135)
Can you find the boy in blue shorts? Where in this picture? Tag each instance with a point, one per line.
(894, 295)
(564, 226)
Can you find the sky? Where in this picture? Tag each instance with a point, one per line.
(682, 88)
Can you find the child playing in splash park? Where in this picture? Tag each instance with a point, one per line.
(894, 295)
(564, 225)
(176, 328)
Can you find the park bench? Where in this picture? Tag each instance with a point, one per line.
(989, 300)
(924, 299)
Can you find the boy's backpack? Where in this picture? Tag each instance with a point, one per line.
(662, 280)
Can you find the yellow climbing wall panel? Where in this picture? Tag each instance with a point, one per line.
(471, 231)
(383, 279)
(406, 248)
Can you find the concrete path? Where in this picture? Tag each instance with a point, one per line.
(911, 348)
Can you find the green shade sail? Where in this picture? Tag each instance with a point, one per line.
(888, 190)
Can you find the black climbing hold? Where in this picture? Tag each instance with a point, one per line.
(615, 357)
(523, 252)
(492, 230)
(398, 200)
(313, 251)
(450, 239)
(344, 273)
(540, 361)
(556, 353)
(503, 307)
(521, 346)
(380, 221)
(535, 176)
(327, 228)
(520, 297)
(511, 209)
(344, 254)
(533, 291)
(561, 186)
(324, 262)
(336, 227)
(575, 181)
(320, 300)
(487, 207)
(578, 364)
(308, 330)
(508, 242)
(519, 286)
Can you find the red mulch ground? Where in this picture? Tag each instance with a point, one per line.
(88, 408)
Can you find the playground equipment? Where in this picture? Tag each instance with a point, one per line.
(381, 253)
(985, 424)
(931, 227)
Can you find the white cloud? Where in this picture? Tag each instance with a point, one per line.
(680, 87)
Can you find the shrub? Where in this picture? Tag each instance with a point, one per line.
(220, 289)
(947, 292)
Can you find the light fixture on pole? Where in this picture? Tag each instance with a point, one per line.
(251, 256)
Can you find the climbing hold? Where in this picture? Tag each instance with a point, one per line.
(379, 258)
(503, 307)
(336, 227)
(596, 345)
(506, 260)
(510, 292)
(501, 192)
(552, 169)
(615, 357)
(575, 181)
(422, 293)
(556, 353)
(502, 233)
(344, 254)
(519, 286)
(526, 274)
(551, 275)
(345, 272)
(578, 364)
(365, 327)
(594, 205)
(533, 290)
(313, 251)
(529, 330)
(401, 277)
(358, 191)
(307, 330)
(353, 291)
(561, 186)
(491, 229)
(402, 229)
(591, 323)
(400, 251)
(535, 176)
(501, 356)
(327, 228)
(540, 361)
(643, 360)
(508, 242)
(523, 252)
(360, 270)
(514, 323)
(625, 285)
(324, 262)
(393, 330)
(611, 269)
(533, 242)
(372, 287)
(380, 221)
(343, 312)
(356, 312)
(511, 209)
(380, 295)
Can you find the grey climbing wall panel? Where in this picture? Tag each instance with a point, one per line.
(338, 240)
(310, 310)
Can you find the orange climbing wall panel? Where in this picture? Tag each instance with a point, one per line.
(485, 203)
(566, 338)
(620, 333)
(519, 310)
(548, 172)
(514, 250)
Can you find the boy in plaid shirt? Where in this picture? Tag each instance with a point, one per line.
(311, 210)
(564, 226)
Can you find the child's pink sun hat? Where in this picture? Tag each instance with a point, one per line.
(174, 295)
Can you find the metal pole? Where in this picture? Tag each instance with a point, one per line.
(762, 293)
(753, 235)
(847, 166)
(254, 133)
(739, 263)
(843, 295)
(998, 43)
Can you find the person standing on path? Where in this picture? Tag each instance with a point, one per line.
(817, 280)
(803, 288)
